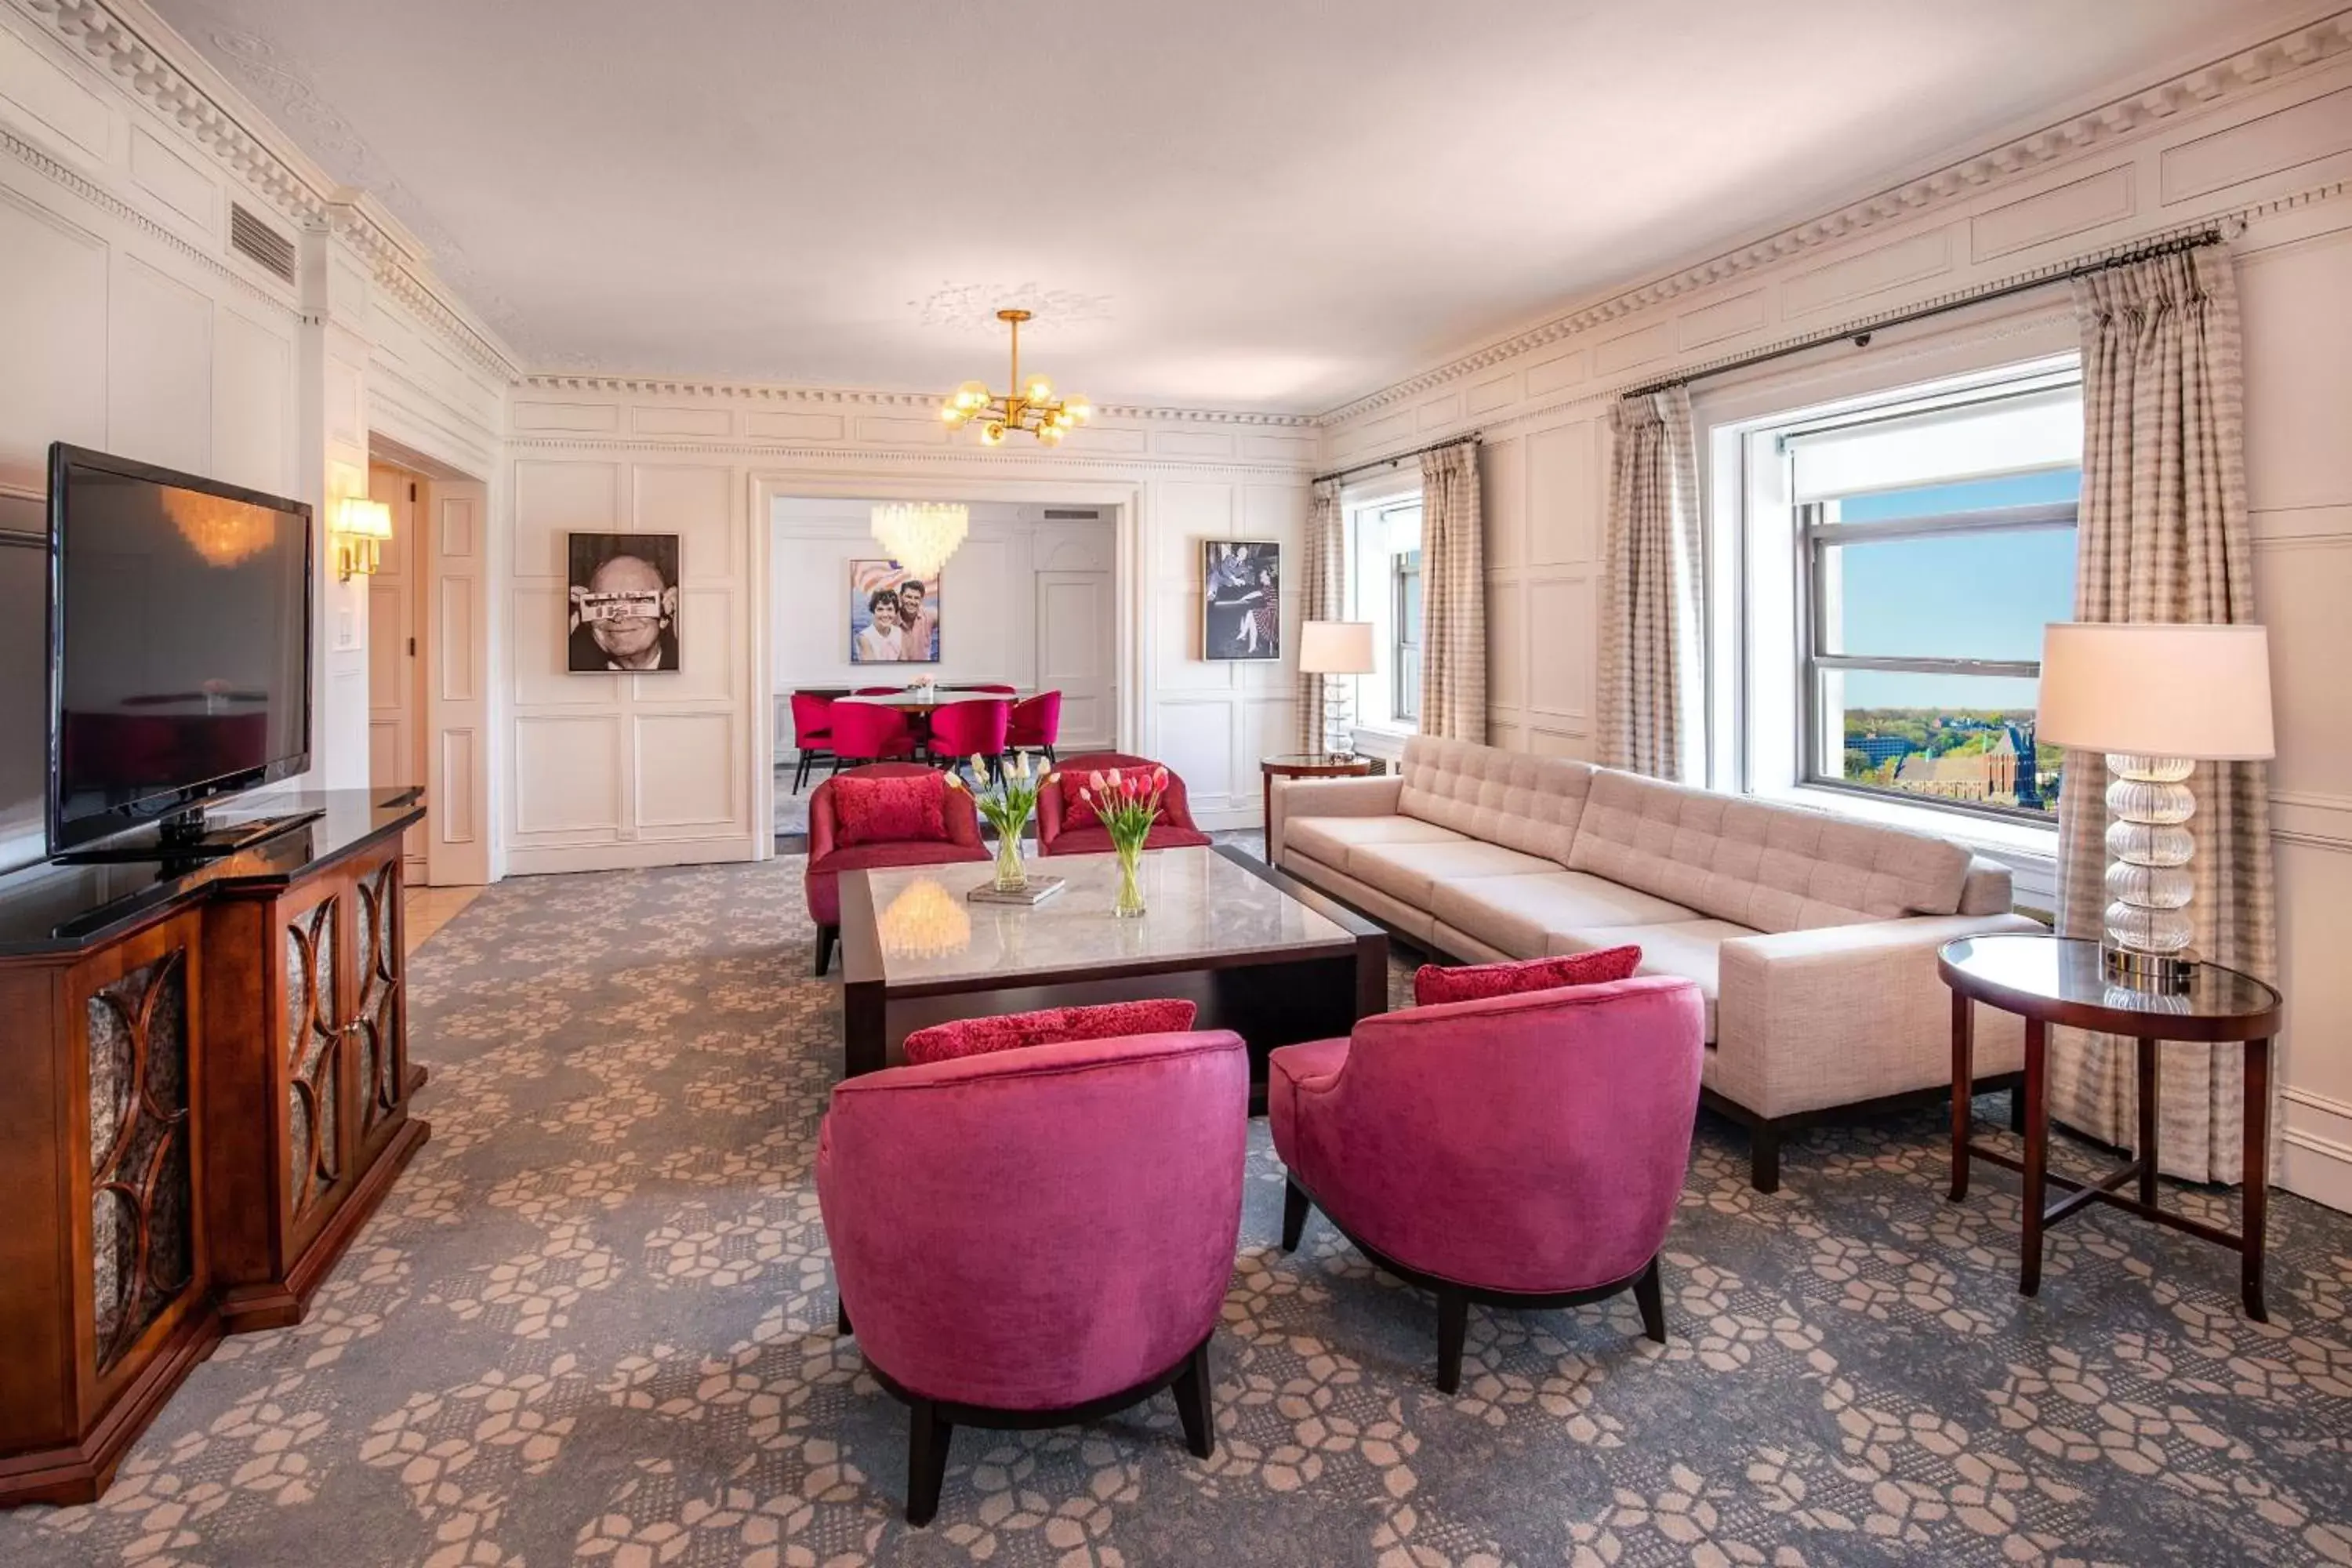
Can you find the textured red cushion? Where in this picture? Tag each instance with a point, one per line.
(1434, 984)
(1047, 1027)
(890, 811)
(1075, 811)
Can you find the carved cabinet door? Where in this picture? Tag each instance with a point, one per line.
(314, 928)
(134, 1011)
(379, 1024)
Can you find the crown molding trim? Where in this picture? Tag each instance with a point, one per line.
(926, 404)
(2203, 88)
(192, 96)
(1029, 464)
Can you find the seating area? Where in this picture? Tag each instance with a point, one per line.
(1533, 784)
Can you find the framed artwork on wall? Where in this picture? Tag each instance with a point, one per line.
(894, 615)
(1241, 599)
(623, 602)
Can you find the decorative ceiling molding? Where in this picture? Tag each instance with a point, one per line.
(972, 307)
(297, 189)
(925, 404)
(2200, 89)
(1051, 462)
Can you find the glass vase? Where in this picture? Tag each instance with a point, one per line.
(1129, 904)
(1012, 876)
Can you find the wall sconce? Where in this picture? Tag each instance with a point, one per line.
(361, 528)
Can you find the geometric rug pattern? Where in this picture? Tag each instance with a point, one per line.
(593, 1323)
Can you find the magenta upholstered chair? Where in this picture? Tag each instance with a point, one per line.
(1055, 836)
(972, 728)
(811, 734)
(865, 732)
(1522, 1150)
(1038, 1236)
(1035, 724)
(828, 857)
(989, 687)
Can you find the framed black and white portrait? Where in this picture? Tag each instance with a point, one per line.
(624, 608)
(1241, 599)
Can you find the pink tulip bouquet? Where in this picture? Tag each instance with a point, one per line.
(1127, 803)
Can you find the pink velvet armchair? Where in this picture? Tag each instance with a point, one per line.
(828, 857)
(1038, 1236)
(1058, 835)
(1523, 1151)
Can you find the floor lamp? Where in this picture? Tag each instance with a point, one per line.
(2159, 700)
(1333, 649)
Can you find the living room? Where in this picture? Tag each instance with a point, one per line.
(1690, 661)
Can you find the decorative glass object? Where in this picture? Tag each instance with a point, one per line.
(1128, 803)
(1004, 795)
(1129, 905)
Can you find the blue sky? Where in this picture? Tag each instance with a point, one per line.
(1955, 596)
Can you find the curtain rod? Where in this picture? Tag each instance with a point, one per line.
(1861, 333)
(1392, 462)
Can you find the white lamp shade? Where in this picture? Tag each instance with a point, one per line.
(1334, 647)
(2198, 691)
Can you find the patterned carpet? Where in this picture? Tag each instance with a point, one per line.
(594, 1320)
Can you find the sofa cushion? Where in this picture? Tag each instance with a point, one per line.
(1517, 913)
(1048, 1026)
(1774, 867)
(1433, 984)
(898, 810)
(1521, 802)
(1330, 839)
(1411, 872)
(1692, 949)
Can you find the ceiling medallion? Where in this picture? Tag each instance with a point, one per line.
(1030, 406)
(920, 535)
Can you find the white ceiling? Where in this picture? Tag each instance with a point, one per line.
(1237, 204)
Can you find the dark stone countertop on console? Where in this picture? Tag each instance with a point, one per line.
(51, 910)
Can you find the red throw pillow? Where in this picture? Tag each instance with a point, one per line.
(1075, 811)
(1047, 1027)
(1434, 984)
(909, 809)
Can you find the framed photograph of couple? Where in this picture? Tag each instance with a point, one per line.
(1241, 599)
(894, 615)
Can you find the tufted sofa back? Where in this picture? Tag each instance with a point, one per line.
(1524, 803)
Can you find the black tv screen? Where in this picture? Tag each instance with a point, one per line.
(179, 642)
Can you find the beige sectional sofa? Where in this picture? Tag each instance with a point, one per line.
(1814, 936)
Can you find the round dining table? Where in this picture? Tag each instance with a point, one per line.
(912, 701)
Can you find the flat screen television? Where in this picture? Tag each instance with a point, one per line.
(179, 623)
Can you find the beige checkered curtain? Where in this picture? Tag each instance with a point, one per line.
(1650, 606)
(2164, 537)
(1322, 595)
(1452, 595)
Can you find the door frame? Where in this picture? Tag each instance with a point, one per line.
(1122, 502)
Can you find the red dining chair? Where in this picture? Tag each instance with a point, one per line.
(1035, 724)
(863, 732)
(989, 687)
(811, 734)
(972, 728)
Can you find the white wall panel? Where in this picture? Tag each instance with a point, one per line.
(1560, 648)
(553, 498)
(697, 503)
(252, 404)
(1563, 494)
(567, 774)
(2297, 325)
(159, 369)
(53, 319)
(687, 770)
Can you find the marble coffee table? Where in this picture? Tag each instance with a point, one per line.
(1262, 953)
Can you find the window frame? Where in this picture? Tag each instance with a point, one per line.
(1405, 706)
(1813, 536)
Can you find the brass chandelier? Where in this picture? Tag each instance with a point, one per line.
(1031, 406)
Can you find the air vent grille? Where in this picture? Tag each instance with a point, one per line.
(1068, 514)
(259, 243)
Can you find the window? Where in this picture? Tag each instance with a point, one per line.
(1384, 588)
(1404, 640)
(1896, 560)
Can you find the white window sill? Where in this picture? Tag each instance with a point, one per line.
(2024, 844)
(1383, 740)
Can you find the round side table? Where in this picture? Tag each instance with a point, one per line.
(2048, 979)
(1308, 766)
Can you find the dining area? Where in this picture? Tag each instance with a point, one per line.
(838, 728)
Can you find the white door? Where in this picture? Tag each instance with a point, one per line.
(1075, 657)
(454, 557)
(395, 759)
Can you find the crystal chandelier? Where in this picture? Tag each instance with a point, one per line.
(1031, 406)
(919, 534)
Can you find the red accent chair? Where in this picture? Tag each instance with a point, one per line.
(970, 728)
(811, 734)
(828, 857)
(1038, 1236)
(863, 732)
(1524, 1150)
(1058, 835)
(1035, 724)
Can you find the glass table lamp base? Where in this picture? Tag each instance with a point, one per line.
(2165, 973)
